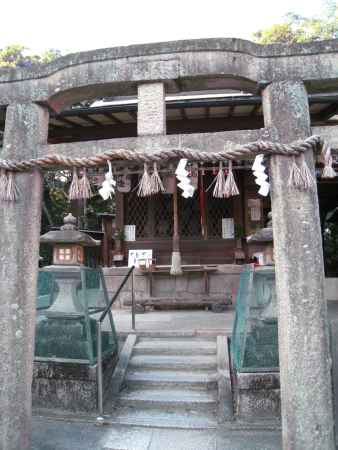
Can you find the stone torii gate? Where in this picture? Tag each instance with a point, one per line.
(283, 75)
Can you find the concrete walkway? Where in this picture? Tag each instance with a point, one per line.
(75, 434)
(194, 321)
(51, 434)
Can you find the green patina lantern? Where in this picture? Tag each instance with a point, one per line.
(70, 296)
(254, 342)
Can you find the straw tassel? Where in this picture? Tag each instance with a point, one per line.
(328, 171)
(74, 189)
(155, 181)
(295, 177)
(230, 188)
(301, 177)
(220, 183)
(3, 184)
(12, 191)
(309, 182)
(84, 186)
(145, 186)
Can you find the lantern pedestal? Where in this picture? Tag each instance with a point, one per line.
(254, 345)
(69, 385)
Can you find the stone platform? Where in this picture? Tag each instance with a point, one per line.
(199, 285)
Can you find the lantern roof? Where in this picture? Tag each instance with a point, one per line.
(264, 234)
(69, 234)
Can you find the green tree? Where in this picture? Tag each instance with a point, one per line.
(17, 55)
(330, 242)
(296, 28)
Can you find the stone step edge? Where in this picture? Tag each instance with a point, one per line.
(174, 422)
(189, 333)
(173, 352)
(181, 366)
(166, 401)
(122, 365)
(107, 419)
(182, 377)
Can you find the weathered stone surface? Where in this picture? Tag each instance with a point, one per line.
(302, 319)
(197, 64)
(223, 284)
(151, 114)
(256, 395)
(70, 386)
(26, 129)
(200, 141)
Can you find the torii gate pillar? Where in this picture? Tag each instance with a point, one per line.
(305, 372)
(26, 129)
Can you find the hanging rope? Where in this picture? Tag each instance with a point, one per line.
(300, 175)
(240, 152)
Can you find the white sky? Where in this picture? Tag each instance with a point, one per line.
(76, 25)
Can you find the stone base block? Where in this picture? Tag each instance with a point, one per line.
(68, 385)
(190, 287)
(256, 395)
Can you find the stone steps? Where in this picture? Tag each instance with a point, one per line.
(174, 362)
(185, 398)
(162, 378)
(166, 418)
(175, 347)
(170, 382)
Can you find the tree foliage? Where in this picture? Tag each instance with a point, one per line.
(17, 55)
(330, 242)
(296, 28)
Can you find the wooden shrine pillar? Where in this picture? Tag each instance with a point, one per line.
(305, 370)
(107, 244)
(25, 129)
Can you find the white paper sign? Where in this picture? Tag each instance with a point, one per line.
(255, 206)
(228, 228)
(135, 256)
(130, 233)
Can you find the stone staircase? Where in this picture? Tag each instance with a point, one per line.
(170, 382)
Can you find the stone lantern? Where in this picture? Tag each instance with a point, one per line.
(262, 241)
(68, 243)
(68, 250)
(71, 297)
(254, 340)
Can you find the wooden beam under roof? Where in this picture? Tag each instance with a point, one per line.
(328, 112)
(112, 117)
(117, 120)
(231, 111)
(223, 101)
(233, 100)
(173, 126)
(109, 116)
(133, 115)
(91, 120)
(67, 122)
(255, 110)
(183, 114)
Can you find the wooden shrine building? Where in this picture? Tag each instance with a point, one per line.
(202, 239)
